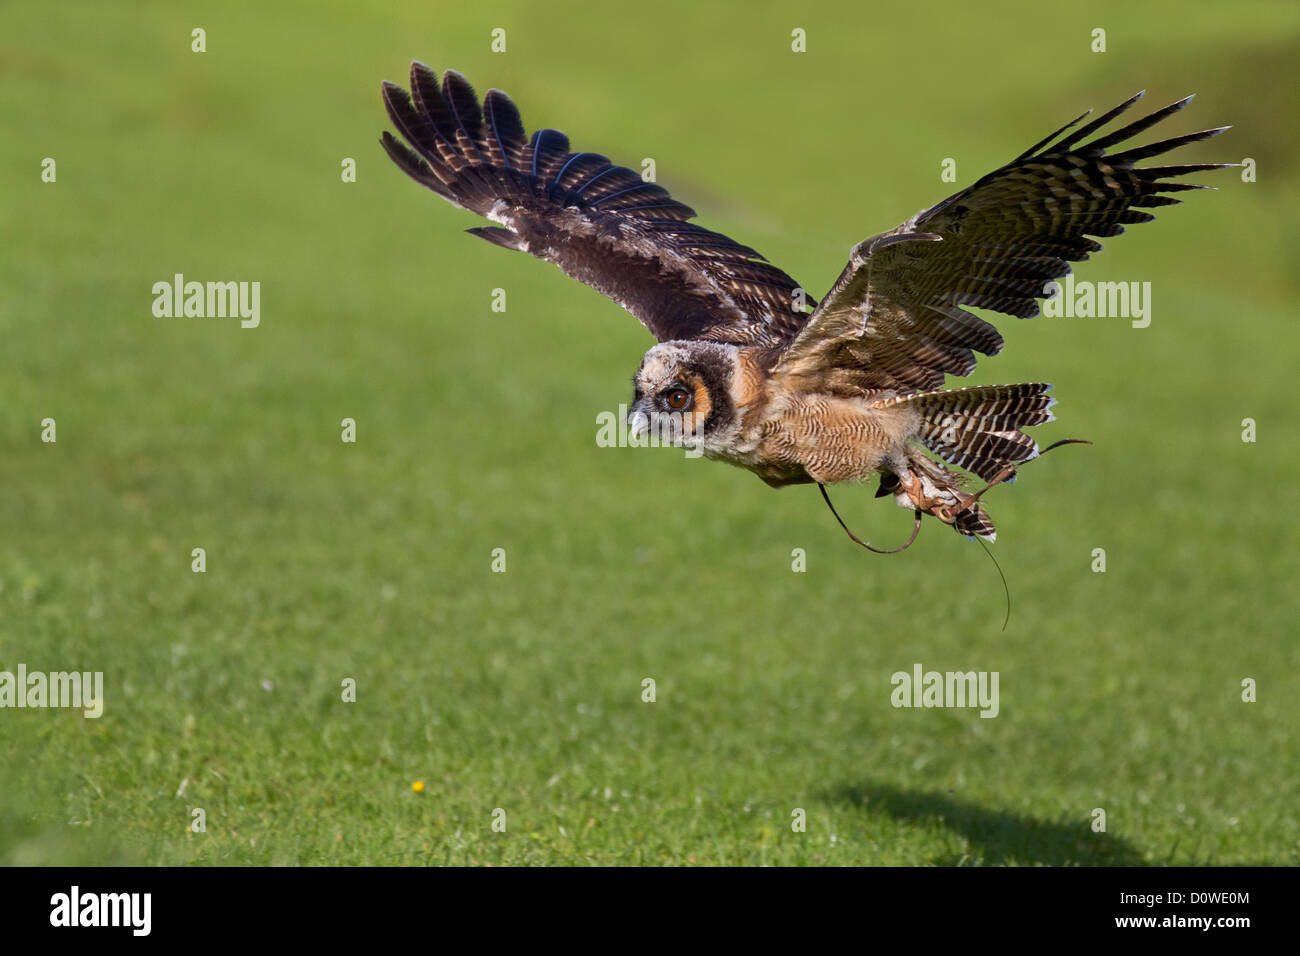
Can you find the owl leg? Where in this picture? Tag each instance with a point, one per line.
(916, 490)
(927, 486)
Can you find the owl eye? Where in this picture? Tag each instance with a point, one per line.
(677, 397)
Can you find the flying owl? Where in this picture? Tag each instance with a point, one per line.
(748, 366)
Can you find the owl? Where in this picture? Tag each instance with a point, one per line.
(748, 367)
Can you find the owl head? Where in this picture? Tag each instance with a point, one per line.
(683, 393)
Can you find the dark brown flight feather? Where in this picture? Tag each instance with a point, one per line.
(601, 224)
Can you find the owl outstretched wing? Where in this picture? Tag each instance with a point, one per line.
(894, 319)
(601, 224)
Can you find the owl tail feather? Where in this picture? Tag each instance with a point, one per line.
(977, 429)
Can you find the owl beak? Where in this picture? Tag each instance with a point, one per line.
(638, 420)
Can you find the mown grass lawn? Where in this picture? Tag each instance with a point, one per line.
(522, 691)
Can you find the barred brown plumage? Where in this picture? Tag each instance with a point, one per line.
(853, 387)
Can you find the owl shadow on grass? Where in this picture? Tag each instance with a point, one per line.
(996, 837)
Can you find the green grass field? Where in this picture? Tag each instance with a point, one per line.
(522, 690)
